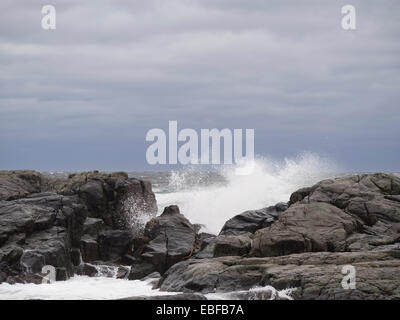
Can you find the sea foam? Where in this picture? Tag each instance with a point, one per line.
(268, 183)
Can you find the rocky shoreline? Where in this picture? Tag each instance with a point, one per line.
(92, 222)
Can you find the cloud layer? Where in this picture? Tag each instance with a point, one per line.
(84, 95)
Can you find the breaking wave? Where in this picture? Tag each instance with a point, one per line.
(211, 198)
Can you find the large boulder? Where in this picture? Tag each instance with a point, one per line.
(304, 228)
(172, 238)
(219, 246)
(252, 220)
(373, 199)
(121, 202)
(141, 270)
(351, 213)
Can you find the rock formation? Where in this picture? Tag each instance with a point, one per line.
(83, 223)
(352, 220)
(66, 222)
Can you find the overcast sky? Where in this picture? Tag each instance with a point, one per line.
(83, 96)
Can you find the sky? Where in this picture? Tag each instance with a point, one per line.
(83, 96)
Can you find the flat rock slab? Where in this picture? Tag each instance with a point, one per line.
(313, 275)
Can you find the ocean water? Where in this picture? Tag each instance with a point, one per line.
(209, 197)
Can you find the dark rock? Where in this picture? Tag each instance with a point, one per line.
(128, 259)
(53, 245)
(135, 204)
(172, 239)
(3, 276)
(89, 249)
(205, 237)
(313, 275)
(43, 220)
(253, 220)
(205, 247)
(93, 226)
(33, 225)
(304, 228)
(154, 275)
(86, 269)
(239, 245)
(152, 279)
(77, 220)
(368, 198)
(61, 274)
(210, 275)
(16, 219)
(11, 280)
(95, 197)
(45, 199)
(307, 245)
(32, 261)
(139, 243)
(76, 256)
(299, 195)
(233, 245)
(113, 244)
(118, 200)
(123, 272)
(19, 184)
(11, 254)
(141, 270)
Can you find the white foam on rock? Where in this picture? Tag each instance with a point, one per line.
(256, 293)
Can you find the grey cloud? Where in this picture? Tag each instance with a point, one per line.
(114, 69)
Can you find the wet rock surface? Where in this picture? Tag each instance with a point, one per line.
(66, 222)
